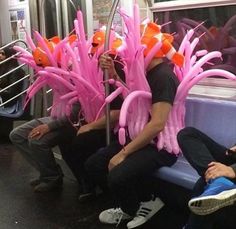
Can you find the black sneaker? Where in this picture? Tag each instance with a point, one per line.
(35, 182)
(46, 186)
(87, 196)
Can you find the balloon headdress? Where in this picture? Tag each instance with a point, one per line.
(98, 41)
(40, 55)
(151, 34)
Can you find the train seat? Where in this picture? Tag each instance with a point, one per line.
(17, 109)
(181, 173)
(214, 117)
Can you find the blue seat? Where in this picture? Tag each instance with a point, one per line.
(181, 173)
(16, 110)
(214, 117)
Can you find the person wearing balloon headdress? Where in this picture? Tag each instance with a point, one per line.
(92, 136)
(216, 189)
(128, 170)
(36, 138)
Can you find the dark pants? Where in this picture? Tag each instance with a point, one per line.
(130, 181)
(80, 149)
(200, 150)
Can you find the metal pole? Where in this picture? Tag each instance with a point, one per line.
(106, 76)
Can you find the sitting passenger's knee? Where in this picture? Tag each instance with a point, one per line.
(15, 137)
(185, 131)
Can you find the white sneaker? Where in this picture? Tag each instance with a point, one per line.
(113, 216)
(145, 212)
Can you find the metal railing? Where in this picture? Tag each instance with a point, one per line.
(8, 74)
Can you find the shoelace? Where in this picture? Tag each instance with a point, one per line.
(116, 213)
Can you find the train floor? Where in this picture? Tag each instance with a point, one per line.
(21, 208)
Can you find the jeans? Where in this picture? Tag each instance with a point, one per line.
(38, 152)
(130, 181)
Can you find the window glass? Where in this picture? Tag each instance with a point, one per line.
(217, 33)
(163, 0)
(101, 11)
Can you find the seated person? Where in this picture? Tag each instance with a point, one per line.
(216, 188)
(128, 170)
(36, 138)
(92, 136)
(10, 78)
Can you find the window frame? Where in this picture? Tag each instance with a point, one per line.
(188, 4)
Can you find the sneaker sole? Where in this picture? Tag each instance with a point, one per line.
(209, 204)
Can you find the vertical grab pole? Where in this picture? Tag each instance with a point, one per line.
(106, 76)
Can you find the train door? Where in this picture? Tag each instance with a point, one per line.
(53, 17)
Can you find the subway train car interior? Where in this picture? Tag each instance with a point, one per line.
(118, 114)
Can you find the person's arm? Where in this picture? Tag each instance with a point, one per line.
(159, 116)
(58, 123)
(115, 70)
(100, 123)
(43, 129)
(64, 121)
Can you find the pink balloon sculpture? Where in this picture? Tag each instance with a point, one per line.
(136, 107)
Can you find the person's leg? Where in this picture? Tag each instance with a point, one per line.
(97, 165)
(19, 137)
(51, 173)
(126, 181)
(198, 221)
(81, 148)
(38, 152)
(76, 154)
(200, 150)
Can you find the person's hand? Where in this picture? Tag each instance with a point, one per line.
(84, 128)
(233, 148)
(216, 169)
(39, 131)
(117, 159)
(106, 62)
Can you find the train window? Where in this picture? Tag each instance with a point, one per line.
(163, 0)
(219, 29)
(73, 6)
(50, 18)
(101, 11)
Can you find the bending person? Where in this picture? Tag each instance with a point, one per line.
(216, 165)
